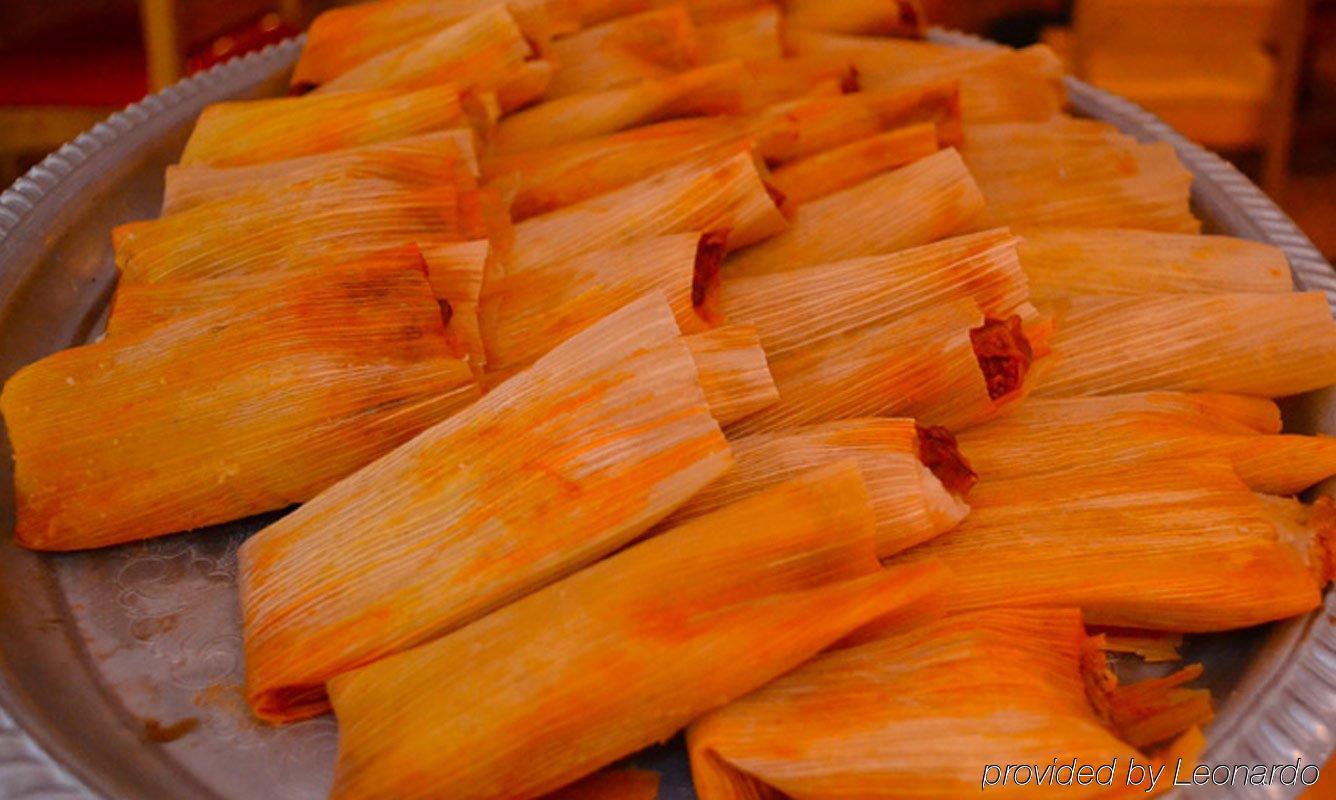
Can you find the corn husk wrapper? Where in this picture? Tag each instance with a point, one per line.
(1308, 530)
(727, 194)
(931, 199)
(1267, 345)
(923, 365)
(903, 18)
(911, 504)
(793, 309)
(245, 132)
(1153, 647)
(996, 84)
(560, 465)
(301, 229)
(612, 784)
(342, 38)
(1058, 146)
(734, 373)
(751, 34)
(1055, 435)
(923, 712)
(806, 127)
(430, 159)
(1116, 261)
(527, 314)
(835, 170)
(758, 588)
(1182, 546)
(252, 406)
(645, 46)
(704, 12)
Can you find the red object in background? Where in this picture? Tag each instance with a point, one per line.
(96, 61)
(268, 29)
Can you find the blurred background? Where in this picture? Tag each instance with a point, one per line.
(1252, 79)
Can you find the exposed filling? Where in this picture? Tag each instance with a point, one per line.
(1004, 354)
(710, 252)
(938, 451)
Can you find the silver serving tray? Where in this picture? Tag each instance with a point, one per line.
(104, 654)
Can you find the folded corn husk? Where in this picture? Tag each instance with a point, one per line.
(648, 45)
(612, 784)
(806, 127)
(342, 38)
(429, 159)
(1268, 345)
(729, 193)
(928, 200)
(1071, 261)
(307, 227)
(1054, 435)
(229, 412)
(255, 131)
(555, 468)
(996, 84)
(750, 33)
(873, 17)
(1180, 546)
(734, 374)
(923, 365)
(610, 659)
(916, 479)
(484, 52)
(527, 314)
(793, 309)
(924, 712)
(835, 170)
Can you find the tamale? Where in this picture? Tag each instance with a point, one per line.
(307, 227)
(456, 271)
(560, 465)
(871, 17)
(945, 365)
(996, 84)
(609, 660)
(931, 199)
(1267, 345)
(592, 12)
(806, 127)
(429, 159)
(652, 44)
(484, 52)
(916, 478)
(835, 170)
(1109, 261)
(344, 37)
(244, 132)
(612, 784)
(527, 314)
(934, 710)
(1060, 146)
(750, 34)
(793, 309)
(251, 406)
(734, 374)
(1176, 546)
(1053, 435)
(729, 193)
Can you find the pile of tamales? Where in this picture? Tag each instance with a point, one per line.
(754, 370)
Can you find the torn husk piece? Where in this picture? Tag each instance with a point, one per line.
(1054, 435)
(1181, 546)
(430, 159)
(648, 45)
(1116, 261)
(606, 661)
(527, 314)
(1266, 345)
(232, 411)
(796, 308)
(1153, 647)
(733, 371)
(931, 199)
(552, 470)
(612, 784)
(307, 227)
(902, 18)
(484, 52)
(945, 365)
(255, 131)
(1308, 530)
(342, 38)
(931, 712)
(916, 479)
(729, 193)
(835, 170)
